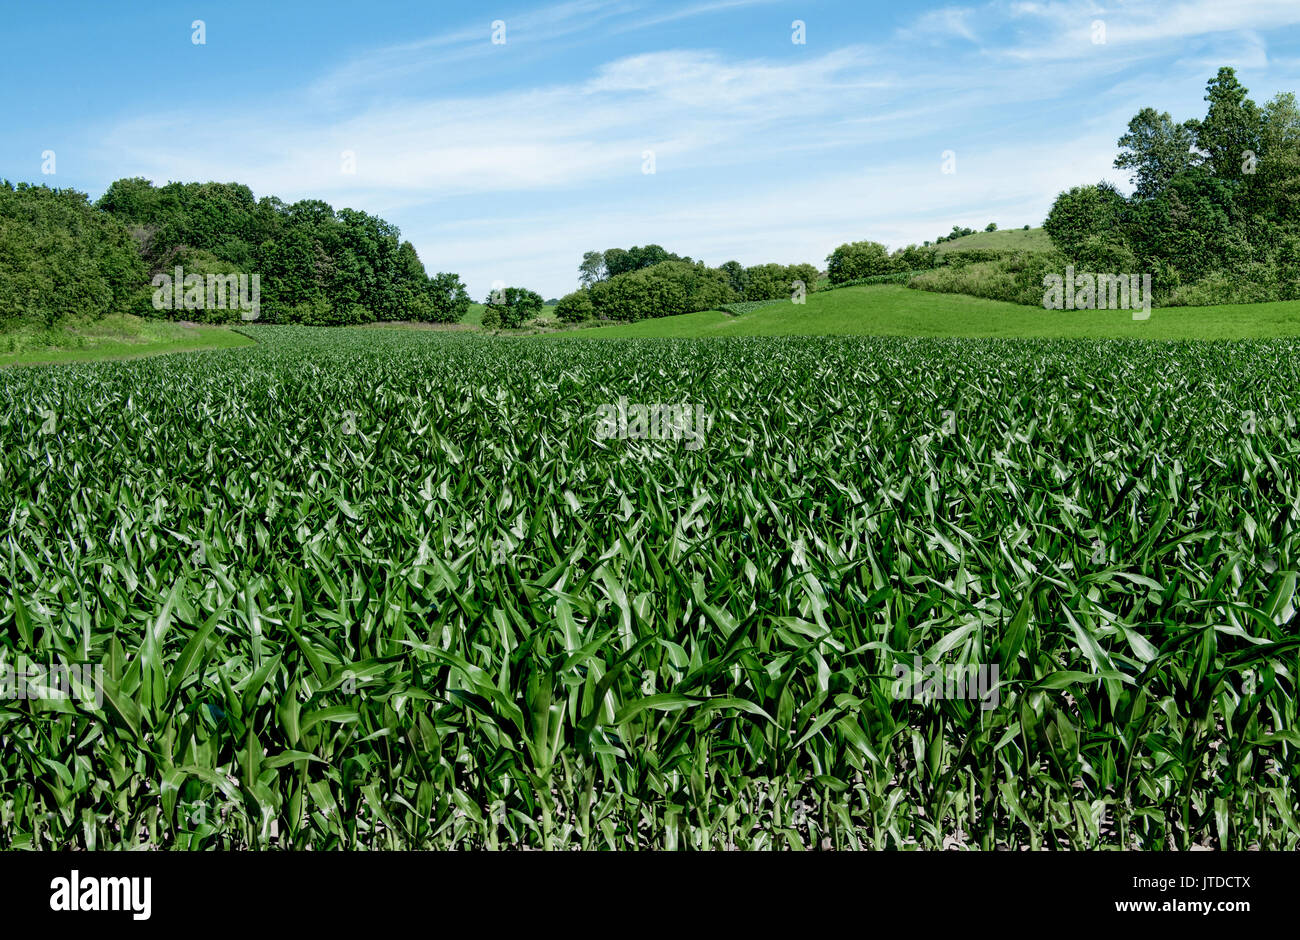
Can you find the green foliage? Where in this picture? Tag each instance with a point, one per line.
(1083, 213)
(958, 231)
(898, 277)
(856, 260)
(445, 301)
(735, 272)
(913, 258)
(1231, 126)
(1156, 150)
(510, 307)
(316, 265)
(645, 282)
(1015, 278)
(749, 306)
(662, 290)
(775, 281)
(62, 261)
(592, 268)
(1216, 210)
(598, 266)
(346, 595)
(575, 307)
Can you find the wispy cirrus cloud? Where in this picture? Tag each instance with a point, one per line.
(508, 162)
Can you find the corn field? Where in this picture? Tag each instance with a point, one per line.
(390, 589)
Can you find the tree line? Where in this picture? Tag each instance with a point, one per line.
(650, 281)
(317, 265)
(1214, 216)
(63, 258)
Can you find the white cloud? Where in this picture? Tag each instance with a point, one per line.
(756, 157)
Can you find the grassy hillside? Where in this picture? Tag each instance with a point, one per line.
(897, 311)
(1012, 239)
(114, 337)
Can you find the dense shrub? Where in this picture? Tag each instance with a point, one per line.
(857, 260)
(510, 307)
(914, 258)
(975, 256)
(1016, 278)
(898, 277)
(662, 290)
(308, 255)
(1215, 215)
(1083, 213)
(775, 281)
(62, 260)
(575, 307)
(749, 306)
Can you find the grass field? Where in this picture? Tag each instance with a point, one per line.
(394, 589)
(115, 337)
(1012, 239)
(898, 311)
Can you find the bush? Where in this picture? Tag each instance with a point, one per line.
(510, 307)
(898, 277)
(1083, 213)
(776, 281)
(914, 258)
(575, 307)
(661, 290)
(63, 260)
(1017, 278)
(858, 260)
(445, 300)
(749, 306)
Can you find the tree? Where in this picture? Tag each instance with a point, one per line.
(991, 227)
(510, 308)
(778, 281)
(1273, 190)
(625, 261)
(317, 265)
(448, 299)
(575, 307)
(1083, 213)
(735, 272)
(592, 268)
(1155, 149)
(1231, 128)
(664, 289)
(616, 262)
(914, 258)
(856, 260)
(62, 259)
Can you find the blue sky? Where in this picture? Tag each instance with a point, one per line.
(505, 161)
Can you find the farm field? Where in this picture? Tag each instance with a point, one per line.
(392, 589)
(890, 310)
